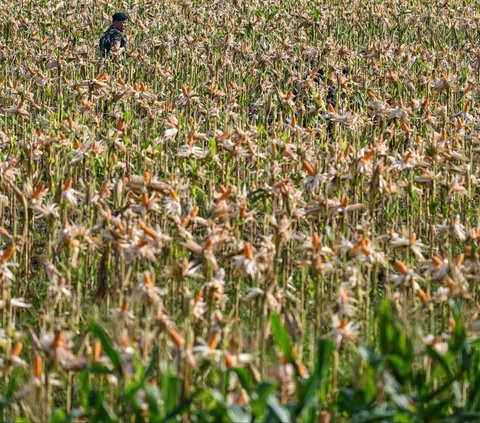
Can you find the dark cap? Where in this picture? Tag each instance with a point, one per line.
(120, 17)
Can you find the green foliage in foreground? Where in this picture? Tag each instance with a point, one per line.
(391, 384)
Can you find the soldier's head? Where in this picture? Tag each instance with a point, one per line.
(119, 21)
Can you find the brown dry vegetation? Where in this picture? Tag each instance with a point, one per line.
(264, 186)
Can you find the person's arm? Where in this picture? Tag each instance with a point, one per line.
(104, 46)
(120, 42)
(116, 41)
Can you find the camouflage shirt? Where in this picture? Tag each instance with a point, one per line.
(109, 39)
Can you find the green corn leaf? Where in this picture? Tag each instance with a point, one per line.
(281, 337)
(107, 346)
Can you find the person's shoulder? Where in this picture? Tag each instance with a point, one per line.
(113, 31)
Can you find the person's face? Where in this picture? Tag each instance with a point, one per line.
(120, 25)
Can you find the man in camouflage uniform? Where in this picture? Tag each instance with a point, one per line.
(113, 41)
(113, 38)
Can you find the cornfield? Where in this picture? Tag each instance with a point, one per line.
(267, 212)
